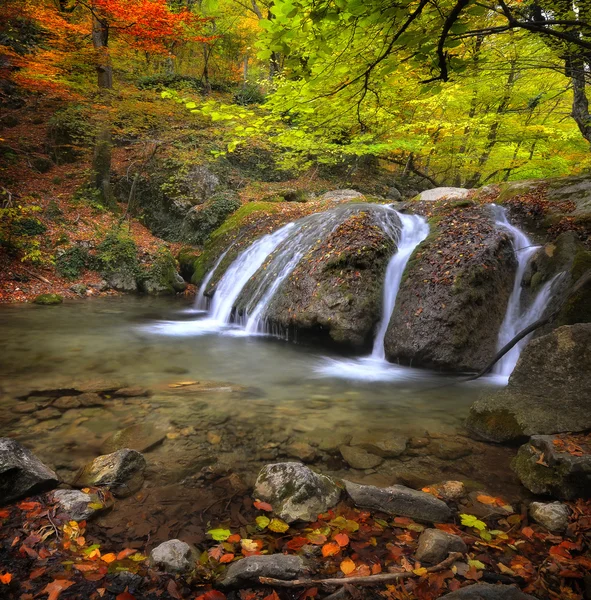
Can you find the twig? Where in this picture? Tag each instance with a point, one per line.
(362, 580)
(39, 277)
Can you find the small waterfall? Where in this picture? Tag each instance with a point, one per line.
(518, 317)
(202, 302)
(414, 230)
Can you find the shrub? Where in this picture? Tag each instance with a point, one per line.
(72, 262)
(17, 228)
(249, 93)
(29, 226)
(115, 251)
(203, 220)
(70, 130)
(169, 80)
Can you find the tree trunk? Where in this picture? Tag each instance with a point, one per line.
(100, 41)
(576, 68)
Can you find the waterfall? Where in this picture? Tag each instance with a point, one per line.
(517, 317)
(414, 230)
(202, 302)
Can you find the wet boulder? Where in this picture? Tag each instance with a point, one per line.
(22, 474)
(488, 591)
(545, 466)
(173, 556)
(141, 437)
(435, 546)
(343, 196)
(278, 566)
(548, 392)
(398, 500)
(335, 290)
(122, 471)
(295, 491)
(454, 292)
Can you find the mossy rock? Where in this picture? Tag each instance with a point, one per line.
(48, 299)
(162, 278)
(187, 257)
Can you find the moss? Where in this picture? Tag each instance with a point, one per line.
(161, 277)
(187, 258)
(115, 251)
(577, 309)
(538, 478)
(48, 299)
(494, 425)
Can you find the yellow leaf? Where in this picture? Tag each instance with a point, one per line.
(278, 526)
(347, 566)
(420, 572)
(109, 558)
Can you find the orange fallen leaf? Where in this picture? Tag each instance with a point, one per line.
(125, 553)
(4, 513)
(330, 549)
(6, 578)
(56, 587)
(125, 596)
(109, 558)
(347, 566)
(226, 558)
(528, 532)
(342, 539)
(484, 499)
(259, 505)
(81, 541)
(86, 567)
(234, 538)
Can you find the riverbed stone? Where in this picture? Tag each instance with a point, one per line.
(440, 193)
(435, 546)
(279, 566)
(132, 392)
(544, 469)
(141, 437)
(488, 591)
(25, 408)
(384, 445)
(398, 500)
(343, 196)
(329, 440)
(77, 504)
(67, 402)
(301, 450)
(548, 392)
(122, 471)
(173, 556)
(22, 474)
(295, 491)
(48, 413)
(551, 515)
(358, 458)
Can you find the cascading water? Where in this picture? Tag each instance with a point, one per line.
(517, 317)
(202, 301)
(375, 367)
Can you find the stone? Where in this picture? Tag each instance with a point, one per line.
(343, 196)
(301, 450)
(488, 591)
(79, 289)
(141, 437)
(67, 402)
(22, 474)
(441, 193)
(173, 556)
(329, 440)
(89, 399)
(449, 449)
(48, 299)
(552, 366)
(48, 413)
(358, 458)
(25, 408)
(552, 515)
(121, 471)
(132, 392)
(544, 469)
(386, 446)
(435, 546)
(394, 194)
(452, 322)
(76, 504)
(398, 500)
(450, 490)
(279, 566)
(295, 491)
(214, 438)
(122, 280)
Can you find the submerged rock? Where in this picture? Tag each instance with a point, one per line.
(48, 299)
(435, 546)
(22, 474)
(552, 366)
(488, 591)
(295, 491)
(452, 299)
(173, 556)
(552, 515)
(358, 458)
(279, 566)
(121, 471)
(398, 500)
(141, 437)
(544, 469)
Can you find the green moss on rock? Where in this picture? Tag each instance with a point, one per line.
(48, 299)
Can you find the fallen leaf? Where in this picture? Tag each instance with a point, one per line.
(278, 526)
(226, 558)
(330, 549)
(347, 566)
(173, 589)
(109, 558)
(342, 539)
(6, 578)
(125, 553)
(262, 521)
(234, 538)
(56, 587)
(220, 535)
(212, 595)
(125, 596)
(263, 506)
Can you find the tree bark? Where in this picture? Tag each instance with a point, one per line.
(576, 68)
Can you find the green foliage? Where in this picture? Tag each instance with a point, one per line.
(89, 195)
(249, 93)
(117, 250)
(18, 228)
(28, 226)
(174, 81)
(72, 262)
(53, 211)
(204, 219)
(70, 130)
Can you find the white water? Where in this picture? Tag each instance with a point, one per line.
(517, 317)
(375, 367)
(202, 302)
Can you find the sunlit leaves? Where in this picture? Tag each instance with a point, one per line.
(219, 535)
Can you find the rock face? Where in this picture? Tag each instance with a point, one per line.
(398, 500)
(173, 556)
(454, 293)
(562, 475)
(441, 193)
(553, 515)
(22, 473)
(278, 566)
(295, 491)
(435, 546)
(488, 591)
(336, 289)
(548, 391)
(121, 471)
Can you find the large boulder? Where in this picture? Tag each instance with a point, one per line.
(122, 471)
(548, 392)
(545, 466)
(22, 474)
(444, 193)
(398, 500)
(454, 293)
(488, 591)
(336, 288)
(295, 491)
(278, 566)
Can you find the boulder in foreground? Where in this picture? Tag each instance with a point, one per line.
(279, 566)
(22, 473)
(488, 591)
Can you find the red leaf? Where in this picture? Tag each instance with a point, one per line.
(297, 543)
(4, 513)
(226, 558)
(272, 596)
(560, 551)
(212, 595)
(125, 595)
(234, 538)
(125, 553)
(528, 532)
(330, 549)
(37, 573)
(342, 539)
(263, 506)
